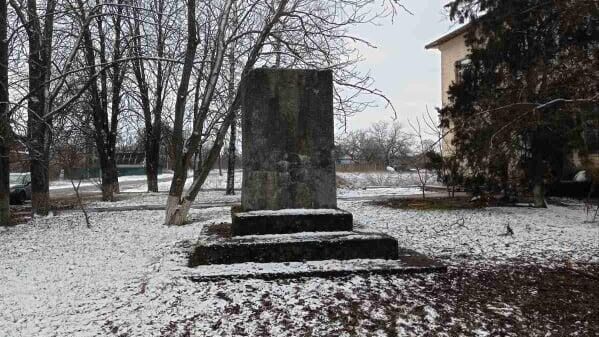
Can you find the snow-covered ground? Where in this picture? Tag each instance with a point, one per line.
(215, 180)
(212, 191)
(126, 276)
(66, 184)
(135, 198)
(155, 199)
(476, 236)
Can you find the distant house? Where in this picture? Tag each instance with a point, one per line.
(454, 56)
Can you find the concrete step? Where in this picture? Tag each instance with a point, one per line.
(310, 246)
(409, 262)
(288, 221)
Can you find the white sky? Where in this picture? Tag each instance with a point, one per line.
(407, 73)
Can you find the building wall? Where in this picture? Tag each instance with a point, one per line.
(593, 159)
(452, 51)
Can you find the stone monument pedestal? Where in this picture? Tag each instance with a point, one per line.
(288, 209)
(297, 247)
(288, 221)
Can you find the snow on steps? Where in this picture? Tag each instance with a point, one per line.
(305, 246)
(409, 262)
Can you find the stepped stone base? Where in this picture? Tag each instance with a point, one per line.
(298, 247)
(409, 262)
(289, 221)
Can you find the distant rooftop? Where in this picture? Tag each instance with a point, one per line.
(457, 32)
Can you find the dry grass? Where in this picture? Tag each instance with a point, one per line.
(437, 203)
(21, 214)
(367, 167)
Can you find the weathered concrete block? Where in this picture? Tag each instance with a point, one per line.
(290, 221)
(295, 247)
(409, 262)
(288, 133)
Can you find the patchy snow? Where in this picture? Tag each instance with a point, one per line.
(243, 269)
(215, 180)
(294, 237)
(127, 275)
(480, 235)
(138, 183)
(128, 199)
(66, 184)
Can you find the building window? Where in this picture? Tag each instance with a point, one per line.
(459, 69)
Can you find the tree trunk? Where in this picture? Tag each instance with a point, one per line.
(5, 131)
(233, 137)
(177, 205)
(539, 195)
(173, 215)
(4, 174)
(197, 165)
(105, 127)
(538, 189)
(152, 177)
(153, 143)
(152, 163)
(39, 63)
(118, 74)
(110, 183)
(152, 118)
(37, 141)
(220, 164)
(538, 171)
(40, 188)
(232, 156)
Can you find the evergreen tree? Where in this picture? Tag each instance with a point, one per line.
(528, 89)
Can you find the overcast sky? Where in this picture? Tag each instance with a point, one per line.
(407, 73)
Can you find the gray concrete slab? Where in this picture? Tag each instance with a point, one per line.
(294, 247)
(290, 221)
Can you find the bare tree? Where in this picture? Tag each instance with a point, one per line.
(105, 112)
(152, 81)
(232, 153)
(304, 34)
(5, 129)
(69, 156)
(441, 159)
(424, 146)
(180, 175)
(40, 30)
(392, 142)
(382, 142)
(177, 204)
(231, 158)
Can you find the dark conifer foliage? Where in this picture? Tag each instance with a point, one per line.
(528, 91)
